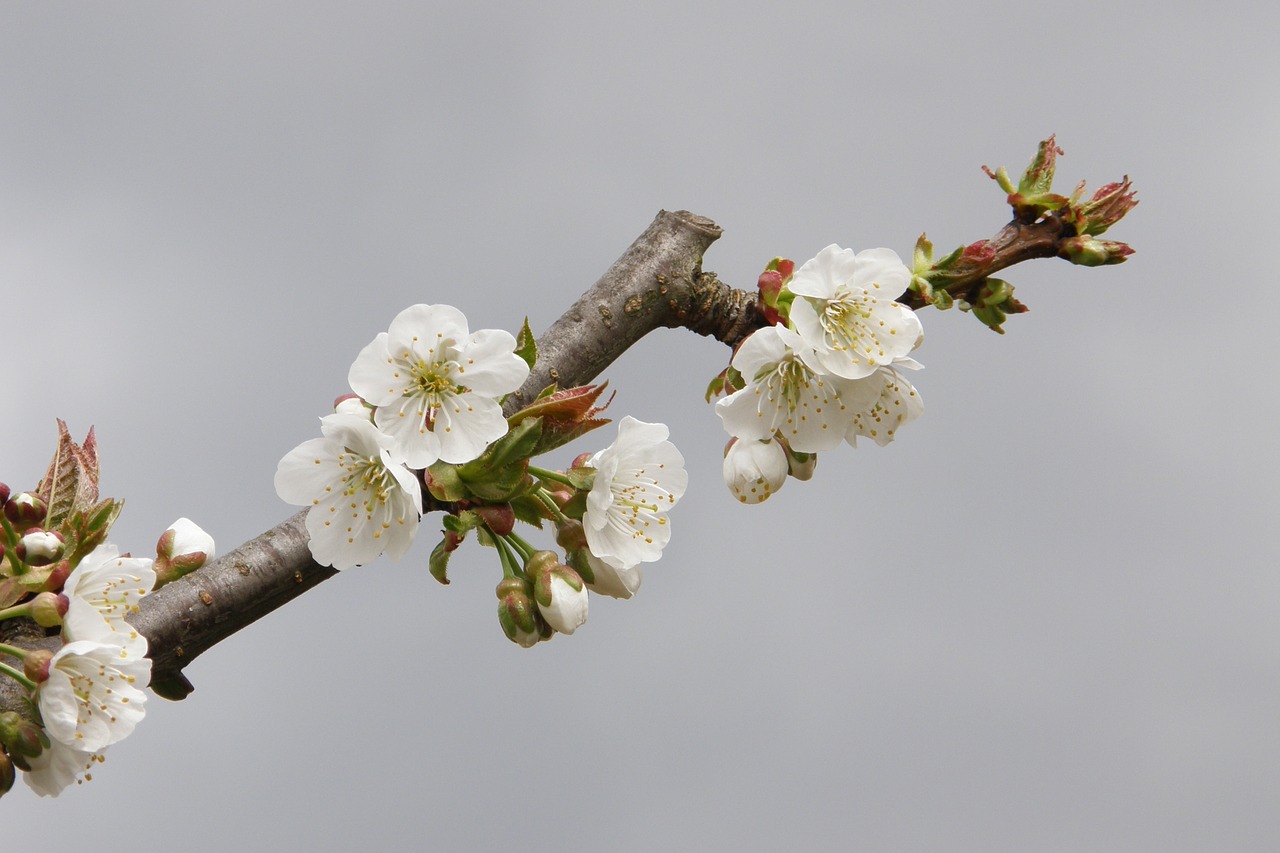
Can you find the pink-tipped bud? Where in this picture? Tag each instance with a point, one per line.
(4, 494)
(1086, 251)
(25, 510)
(1108, 206)
(582, 460)
(39, 547)
(36, 665)
(48, 608)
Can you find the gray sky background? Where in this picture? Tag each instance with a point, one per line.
(1045, 619)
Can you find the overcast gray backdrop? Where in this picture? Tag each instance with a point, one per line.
(1044, 620)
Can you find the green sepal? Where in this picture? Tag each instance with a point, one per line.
(518, 444)
(439, 562)
(462, 521)
(526, 345)
(576, 506)
(582, 479)
(726, 382)
(530, 510)
(444, 483)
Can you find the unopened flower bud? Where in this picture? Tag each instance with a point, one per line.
(35, 665)
(4, 494)
(182, 549)
(25, 510)
(48, 608)
(1090, 252)
(39, 547)
(351, 404)
(754, 470)
(518, 615)
(559, 591)
(20, 737)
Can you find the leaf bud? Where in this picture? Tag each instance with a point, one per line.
(1089, 252)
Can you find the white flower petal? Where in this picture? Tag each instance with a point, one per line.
(363, 500)
(57, 767)
(895, 403)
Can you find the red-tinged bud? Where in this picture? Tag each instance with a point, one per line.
(1086, 251)
(57, 576)
(36, 665)
(48, 608)
(4, 494)
(1038, 178)
(1107, 207)
(25, 510)
(582, 460)
(571, 535)
(39, 547)
(770, 286)
(518, 614)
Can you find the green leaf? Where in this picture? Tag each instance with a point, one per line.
(526, 345)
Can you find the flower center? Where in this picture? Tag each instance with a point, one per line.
(846, 321)
(433, 382)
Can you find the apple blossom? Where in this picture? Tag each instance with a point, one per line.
(102, 592)
(754, 470)
(92, 696)
(638, 478)
(363, 500)
(787, 393)
(845, 310)
(436, 386)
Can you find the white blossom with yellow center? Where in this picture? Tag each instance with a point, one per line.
(638, 479)
(787, 394)
(845, 310)
(102, 592)
(363, 500)
(897, 403)
(93, 696)
(436, 386)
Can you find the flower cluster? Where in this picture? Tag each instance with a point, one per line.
(425, 429)
(827, 371)
(57, 569)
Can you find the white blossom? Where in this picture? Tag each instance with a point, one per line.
(436, 386)
(896, 403)
(363, 500)
(638, 479)
(754, 470)
(788, 394)
(58, 766)
(102, 592)
(845, 310)
(93, 696)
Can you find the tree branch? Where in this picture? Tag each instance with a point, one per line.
(658, 282)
